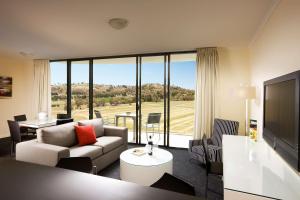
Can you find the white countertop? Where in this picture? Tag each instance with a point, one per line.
(254, 167)
(160, 156)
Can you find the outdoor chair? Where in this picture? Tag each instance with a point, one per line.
(153, 125)
(24, 130)
(107, 121)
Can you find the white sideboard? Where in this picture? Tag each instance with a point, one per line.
(254, 171)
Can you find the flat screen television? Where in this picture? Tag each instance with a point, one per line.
(281, 116)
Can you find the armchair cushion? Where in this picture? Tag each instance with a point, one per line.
(214, 152)
(197, 143)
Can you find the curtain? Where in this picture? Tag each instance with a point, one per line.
(42, 88)
(206, 90)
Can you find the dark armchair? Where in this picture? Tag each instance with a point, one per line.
(221, 127)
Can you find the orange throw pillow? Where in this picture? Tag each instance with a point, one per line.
(85, 135)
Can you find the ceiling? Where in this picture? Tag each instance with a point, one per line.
(57, 29)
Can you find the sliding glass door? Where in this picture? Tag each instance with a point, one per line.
(58, 88)
(114, 92)
(182, 91)
(152, 98)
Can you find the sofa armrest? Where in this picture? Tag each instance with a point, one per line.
(116, 131)
(197, 143)
(40, 153)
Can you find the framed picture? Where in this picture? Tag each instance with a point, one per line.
(5, 86)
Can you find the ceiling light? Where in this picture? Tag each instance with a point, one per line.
(118, 23)
(25, 54)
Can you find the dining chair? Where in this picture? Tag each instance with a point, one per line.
(64, 121)
(62, 116)
(20, 118)
(212, 168)
(15, 135)
(172, 183)
(80, 164)
(25, 130)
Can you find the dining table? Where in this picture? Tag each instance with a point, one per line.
(36, 123)
(130, 115)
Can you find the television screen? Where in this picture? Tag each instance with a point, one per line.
(280, 116)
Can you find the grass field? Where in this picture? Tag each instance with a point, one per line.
(181, 114)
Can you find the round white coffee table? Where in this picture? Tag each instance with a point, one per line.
(145, 169)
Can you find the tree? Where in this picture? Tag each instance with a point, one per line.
(79, 102)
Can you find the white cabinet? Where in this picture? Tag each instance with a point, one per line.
(234, 195)
(253, 170)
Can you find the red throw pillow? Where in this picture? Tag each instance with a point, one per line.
(85, 135)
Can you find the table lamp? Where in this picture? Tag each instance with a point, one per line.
(42, 116)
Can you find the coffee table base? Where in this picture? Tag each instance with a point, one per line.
(144, 175)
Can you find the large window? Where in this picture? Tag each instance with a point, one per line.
(126, 90)
(58, 88)
(80, 90)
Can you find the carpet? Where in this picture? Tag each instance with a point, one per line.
(184, 169)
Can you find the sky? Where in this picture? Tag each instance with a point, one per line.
(182, 73)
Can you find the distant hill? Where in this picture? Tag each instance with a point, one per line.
(121, 94)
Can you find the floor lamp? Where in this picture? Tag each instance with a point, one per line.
(247, 93)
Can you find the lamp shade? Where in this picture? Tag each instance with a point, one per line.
(42, 116)
(246, 92)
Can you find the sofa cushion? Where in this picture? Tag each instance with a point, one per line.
(86, 151)
(61, 135)
(108, 143)
(97, 123)
(85, 135)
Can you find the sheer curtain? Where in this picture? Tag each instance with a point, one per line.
(206, 90)
(42, 88)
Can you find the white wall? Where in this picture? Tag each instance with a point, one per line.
(21, 70)
(234, 70)
(276, 50)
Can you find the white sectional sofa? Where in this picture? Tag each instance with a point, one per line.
(60, 141)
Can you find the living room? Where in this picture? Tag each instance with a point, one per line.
(119, 65)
